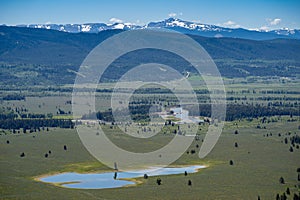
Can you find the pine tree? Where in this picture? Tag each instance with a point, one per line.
(283, 196)
(158, 181)
(285, 140)
(281, 180)
(145, 176)
(296, 197)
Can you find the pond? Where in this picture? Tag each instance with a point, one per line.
(106, 180)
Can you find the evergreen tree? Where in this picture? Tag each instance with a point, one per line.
(283, 196)
(277, 197)
(158, 181)
(285, 140)
(281, 180)
(145, 176)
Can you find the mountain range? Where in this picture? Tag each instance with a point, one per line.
(179, 25)
(34, 56)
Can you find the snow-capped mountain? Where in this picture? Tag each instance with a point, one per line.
(89, 27)
(177, 25)
(286, 31)
(218, 31)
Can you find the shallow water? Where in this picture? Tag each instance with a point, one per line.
(106, 180)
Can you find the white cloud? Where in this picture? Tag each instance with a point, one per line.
(274, 22)
(115, 20)
(270, 22)
(231, 24)
(172, 14)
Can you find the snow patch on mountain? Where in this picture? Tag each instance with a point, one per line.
(119, 26)
(85, 28)
(179, 25)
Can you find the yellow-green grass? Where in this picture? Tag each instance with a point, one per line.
(64, 117)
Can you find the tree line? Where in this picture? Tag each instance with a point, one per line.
(140, 112)
(29, 124)
(240, 111)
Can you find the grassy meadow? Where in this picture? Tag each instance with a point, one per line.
(259, 162)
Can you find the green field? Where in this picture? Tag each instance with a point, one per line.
(262, 157)
(259, 162)
(277, 91)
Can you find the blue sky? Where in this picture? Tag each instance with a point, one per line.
(265, 14)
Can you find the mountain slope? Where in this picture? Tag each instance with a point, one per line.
(37, 56)
(40, 46)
